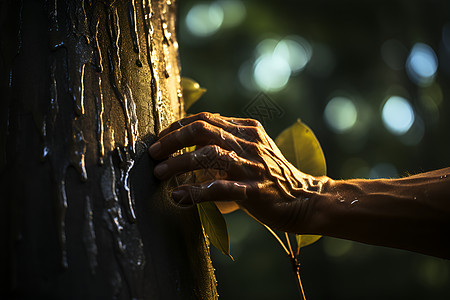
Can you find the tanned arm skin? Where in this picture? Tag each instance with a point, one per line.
(411, 213)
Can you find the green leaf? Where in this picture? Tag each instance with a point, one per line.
(306, 239)
(191, 92)
(300, 147)
(214, 226)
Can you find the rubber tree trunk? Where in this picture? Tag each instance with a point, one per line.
(85, 86)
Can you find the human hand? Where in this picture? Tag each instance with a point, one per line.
(253, 174)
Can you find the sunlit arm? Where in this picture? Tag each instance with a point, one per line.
(411, 213)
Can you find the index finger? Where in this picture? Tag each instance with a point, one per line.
(212, 118)
(198, 133)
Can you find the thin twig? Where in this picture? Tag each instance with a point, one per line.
(289, 252)
(296, 267)
(277, 237)
(299, 285)
(289, 245)
(271, 231)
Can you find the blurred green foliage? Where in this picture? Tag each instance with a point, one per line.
(360, 52)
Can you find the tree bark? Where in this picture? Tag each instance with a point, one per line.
(85, 87)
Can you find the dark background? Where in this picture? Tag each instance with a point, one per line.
(365, 52)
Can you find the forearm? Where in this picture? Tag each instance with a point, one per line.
(411, 213)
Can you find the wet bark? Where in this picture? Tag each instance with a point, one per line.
(85, 87)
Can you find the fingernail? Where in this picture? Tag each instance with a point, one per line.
(161, 170)
(178, 195)
(155, 149)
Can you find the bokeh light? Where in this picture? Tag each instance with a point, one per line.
(398, 115)
(266, 46)
(278, 60)
(340, 114)
(422, 64)
(296, 51)
(204, 20)
(271, 72)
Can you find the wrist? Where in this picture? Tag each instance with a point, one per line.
(307, 213)
(317, 212)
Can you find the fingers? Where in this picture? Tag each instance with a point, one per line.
(243, 121)
(213, 119)
(197, 133)
(183, 122)
(209, 157)
(226, 123)
(247, 129)
(217, 190)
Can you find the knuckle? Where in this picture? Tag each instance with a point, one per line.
(259, 131)
(258, 124)
(253, 122)
(199, 127)
(206, 116)
(212, 150)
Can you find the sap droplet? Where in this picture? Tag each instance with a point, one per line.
(76, 89)
(126, 163)
(131, 117)
(99, 107)
(97, 51)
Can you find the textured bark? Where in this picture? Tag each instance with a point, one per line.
(85, 86)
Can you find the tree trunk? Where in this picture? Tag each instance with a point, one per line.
(85, 86)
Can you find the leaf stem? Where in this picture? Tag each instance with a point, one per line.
(296, 267)
(278, 239)
(291, 253)
(297, 253)
(299, 285)
(271, 231)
